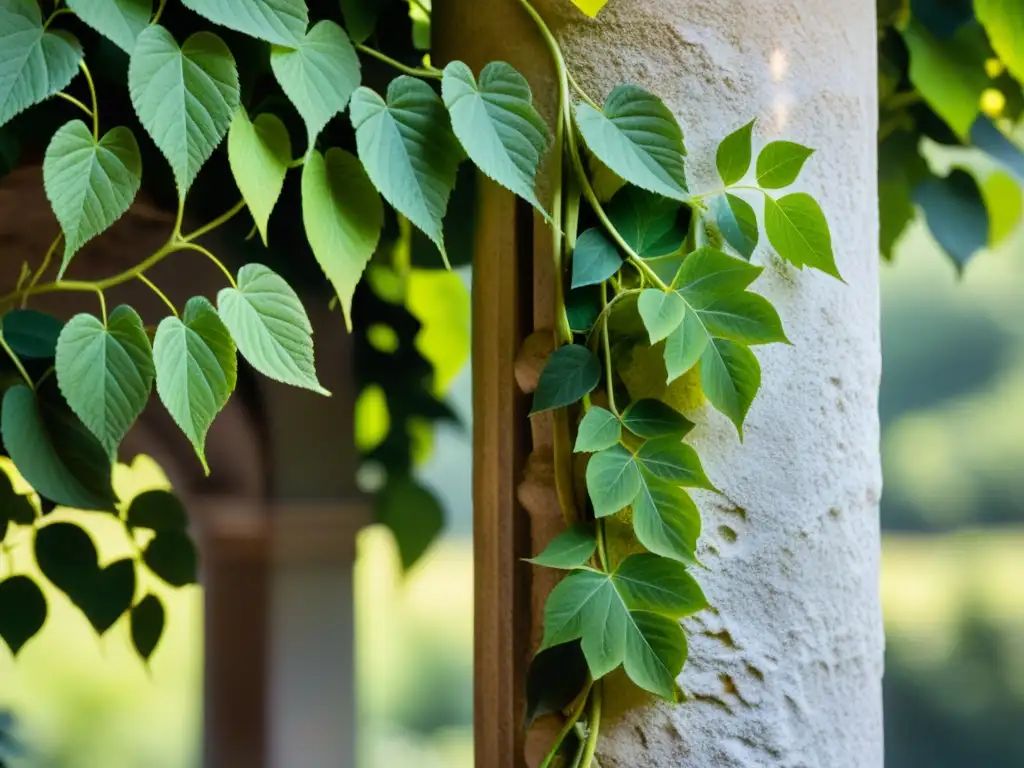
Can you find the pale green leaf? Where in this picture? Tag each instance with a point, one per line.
(798, 230)
(318, 74)
(638, 138)
(120, 21)
(409, 151)
(744, 317)
(277, 21)
(34, 64)
(1004, 22)
(661, 312)
(196, 369)
(780, 162)
(259, 152)
(670, 459)
(730, 377)
(569, 549)
(185, 97)
(733, 156)
(651, 583)
(90, 183)
(54, 452)
(613, 480)
(571, 372)
(685, 346)
(737, 222)
(599, 429)
(653, 418)
(343, 216)
(666, 520)
(708, 274)
(497, 125)
(269, 324)
(594, 259)
(106, 372)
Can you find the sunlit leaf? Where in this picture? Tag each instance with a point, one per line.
(259, 152)
(571, 548)
(120, 21)
(276, 21)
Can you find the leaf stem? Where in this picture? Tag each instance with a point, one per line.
(570, 724)
(179, 218)
(432, 73)
(42, 267)
(724, 190)
(159, 12)
(103, 303)
(57, 12)
(95, 104)
(606, 340)
(593, 726)
(152, 286)
(71, 99)
(17, 362)
(223, 218)
(579, 90)
(185, 245)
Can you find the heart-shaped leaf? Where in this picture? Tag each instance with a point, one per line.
(413, 514)
(649, 223)
(259, 152)
(34, 63)
(148, 620)
(22, 611)
(157, 511)
(360, 18)
(276, 21)
(571, 372)
(196, 369)
(638, 138)
(594, 259)
(120, 21)
(318, 74)
(32, 334)
(497, 125)
(106, 372)
(269, 324)
(54, 451)
(343, 216)
(409, 151)
(185, 97)
(109, 595)
(172, 556)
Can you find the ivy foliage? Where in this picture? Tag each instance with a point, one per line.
(950, 74)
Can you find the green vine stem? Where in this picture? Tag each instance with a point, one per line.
(431, 73)
(17, 361)
(574, 717)
(593, 725)
(163, 297)
(95, 104)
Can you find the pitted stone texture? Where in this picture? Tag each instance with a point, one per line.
(786, 670)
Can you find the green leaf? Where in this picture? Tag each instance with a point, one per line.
(106, 372)
(594, 259)
(780, 162)
(613, 480)
(571, 372)
(120, 21)
(956, 214)
(666, 521)
(638, 138)
(661, 312)
(708, 275)
(277, 21)
(737, 222)
(744, 317)
(89, 183)
(651, 583)
(409, 151)
(583, 307)
(598, 430)
(670, 459)
(360, 18)
(685, 346)
(730, 377)
(585, 605)
(1004, 201)
(653, 418)
(157, 511)
(34, 64)
(733, 156)
(185, 97)
(318, 74)
(1004, 22)
(343, 216)
(556, 677)
(655, 653)
(650, 224)
(259, 152)
(797, 229)
(196, 369)
(172, 556)
(497, 125)
(413, 514)
(569, 549)
(268, 322)
(987, 137)
(22, 611)
(148, 620)
(54, 452)
(31, 334)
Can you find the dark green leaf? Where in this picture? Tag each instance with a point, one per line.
(22, 611)
(583, 307)
(599, 429)
(107, 594)
(360, 18)
(666, 521)
(172, 556)
(730, 377)
(670, 459)
(989, 139)
(67, 557)
(653, 418)
(32, 334)
(733, 155)
(649, 223)
(157, 511)
(413, 514)
(147, 625)
(594, 259)
(569, 549)
(570, 373)
(613, 480)
(956, 213)
(738, 223)
(655, 653)
(556, 677)
(797, 229)
(14, 508)
(780, 162)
